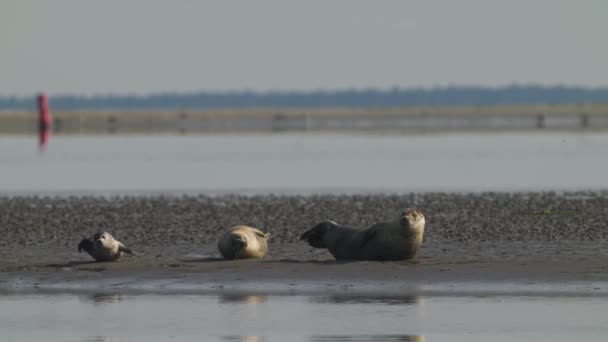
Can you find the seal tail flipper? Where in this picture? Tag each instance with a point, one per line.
(126, 250)
(314, 235)
(86, 244)
(260, 233)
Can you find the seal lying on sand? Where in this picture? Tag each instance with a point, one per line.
(397, 240)
(243, 242)
(103, 247)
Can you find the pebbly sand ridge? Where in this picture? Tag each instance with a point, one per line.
(168, 220)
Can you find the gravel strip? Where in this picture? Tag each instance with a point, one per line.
(191, 220)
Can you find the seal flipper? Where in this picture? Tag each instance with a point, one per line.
(126, 250)
(260, 233)
(87, 245)
(314, 235)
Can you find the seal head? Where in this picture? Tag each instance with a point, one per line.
(103, 247)
(243, 242)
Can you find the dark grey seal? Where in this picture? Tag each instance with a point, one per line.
(396, 240)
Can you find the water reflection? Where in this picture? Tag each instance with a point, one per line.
(349, 299)
(242, 339)
(363, 338)
(158, 317)
(102, 339)
(103, 298)
(248, 299)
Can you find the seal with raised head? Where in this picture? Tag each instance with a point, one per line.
(103, 247)
(243, 242)
(396, 240)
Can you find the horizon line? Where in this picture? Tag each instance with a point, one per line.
(266, 92)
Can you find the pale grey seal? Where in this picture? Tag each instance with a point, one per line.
(243, 242)
(396, 240)
(103, 247)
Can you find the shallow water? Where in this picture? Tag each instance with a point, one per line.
(293, 163)
(237, 317)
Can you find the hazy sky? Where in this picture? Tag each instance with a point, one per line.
(144, 46)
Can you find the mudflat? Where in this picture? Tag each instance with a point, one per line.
(523, 241)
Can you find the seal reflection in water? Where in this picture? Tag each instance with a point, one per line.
(103, 247)
(243, 242)
(396, 240)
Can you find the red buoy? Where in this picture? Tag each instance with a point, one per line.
(45, 120)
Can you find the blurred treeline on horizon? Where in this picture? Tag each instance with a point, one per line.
(367, 98)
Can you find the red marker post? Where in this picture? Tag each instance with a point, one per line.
(45, 121)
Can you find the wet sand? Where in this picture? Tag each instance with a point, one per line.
(474, 243)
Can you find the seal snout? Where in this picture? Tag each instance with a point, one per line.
(238, 242)
(412, 215)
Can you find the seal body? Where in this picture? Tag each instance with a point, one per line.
(396, 240)
(243, 242)
(103, 247)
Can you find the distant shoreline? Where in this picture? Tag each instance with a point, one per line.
(390, 119)
(452, 95)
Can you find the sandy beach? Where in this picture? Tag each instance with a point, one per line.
(522, 242)
(402, 120)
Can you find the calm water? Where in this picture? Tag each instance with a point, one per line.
(303, 164)
(293, 163)
(149, 318)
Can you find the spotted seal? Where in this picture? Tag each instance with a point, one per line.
(243, 242)
(103, 247)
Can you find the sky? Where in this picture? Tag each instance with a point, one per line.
(148, 46)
